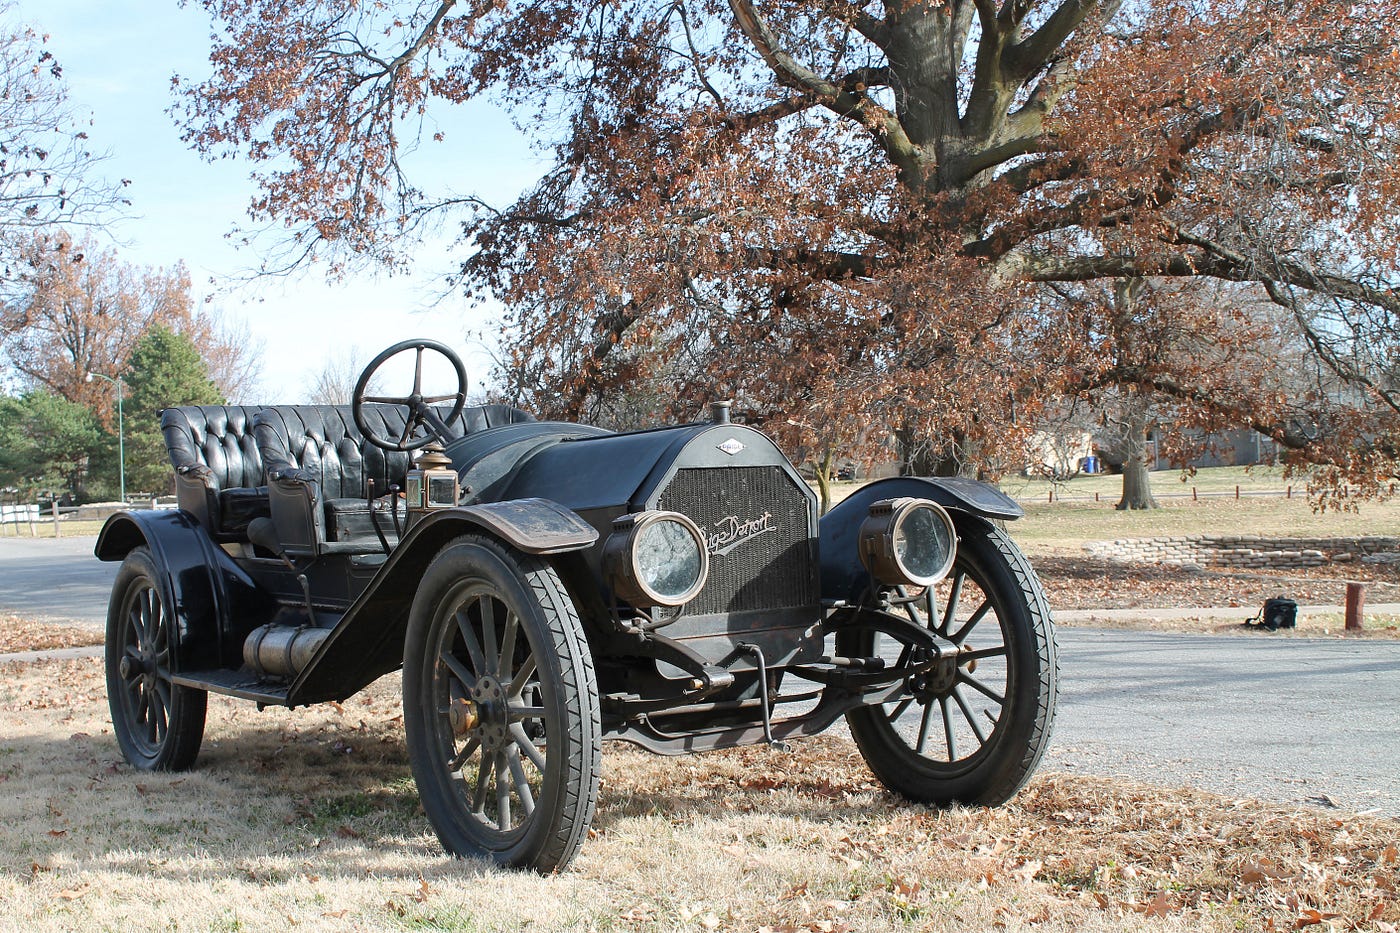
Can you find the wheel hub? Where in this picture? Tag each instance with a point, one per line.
(137, 665)
(943, 676)
(492, 712)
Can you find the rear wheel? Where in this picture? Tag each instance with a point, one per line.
(501, 707)
(972, 732)
(159, 725)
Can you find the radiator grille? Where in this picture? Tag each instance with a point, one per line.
(761, 551)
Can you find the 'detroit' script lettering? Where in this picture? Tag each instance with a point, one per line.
(730, 532)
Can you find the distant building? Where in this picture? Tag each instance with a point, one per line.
(1237, 447)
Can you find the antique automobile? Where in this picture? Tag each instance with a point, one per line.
(545, 586)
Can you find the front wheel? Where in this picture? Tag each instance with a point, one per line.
(974, 733)
(501, 707)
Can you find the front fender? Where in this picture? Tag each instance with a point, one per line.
(844, 576)
(368, 641)
(210, 598)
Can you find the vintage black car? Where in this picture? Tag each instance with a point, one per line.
(546, 586)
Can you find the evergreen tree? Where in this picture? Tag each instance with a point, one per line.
(47, 443)
(165, 370)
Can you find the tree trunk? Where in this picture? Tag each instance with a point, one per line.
(1137, 484)
(953, 456)
(823, 472)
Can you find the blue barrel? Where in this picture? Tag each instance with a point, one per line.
(1091, 464)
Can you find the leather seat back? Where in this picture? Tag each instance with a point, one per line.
(324, 442)
(219, 437)
(218, 467)
(480, 417)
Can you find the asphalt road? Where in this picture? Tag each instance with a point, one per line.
(54, 578)
(1286, 719)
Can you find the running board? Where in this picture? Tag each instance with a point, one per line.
(242, 684)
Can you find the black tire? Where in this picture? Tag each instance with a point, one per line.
(503, 733)
(159, 725)
(998, 608)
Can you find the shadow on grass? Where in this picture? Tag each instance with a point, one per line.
(276, 792)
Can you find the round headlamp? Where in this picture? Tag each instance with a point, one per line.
(655, 559)
(907, 542)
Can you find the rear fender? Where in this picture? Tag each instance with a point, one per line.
(368, 641)
(211, 597)
(844, 576)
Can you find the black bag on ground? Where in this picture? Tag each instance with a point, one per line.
(1279, 612)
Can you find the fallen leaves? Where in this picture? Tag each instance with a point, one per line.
(18, 633)
(1082, 582)
(1258, 871)
(1089, 854)
(1309, 917)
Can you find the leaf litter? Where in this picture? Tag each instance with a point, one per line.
(740, 840)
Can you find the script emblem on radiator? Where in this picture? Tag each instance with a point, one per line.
(731, 531)
(731, 446)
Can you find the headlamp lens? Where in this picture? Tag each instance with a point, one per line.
(907, 542)
(922, 543)
(669, 559)
(655, 559)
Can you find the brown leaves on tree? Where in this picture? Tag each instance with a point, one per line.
(862, 220)
(83, 309)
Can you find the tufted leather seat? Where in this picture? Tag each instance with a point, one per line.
(218, 467)
(320, 467)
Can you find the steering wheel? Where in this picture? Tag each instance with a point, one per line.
(420, 412)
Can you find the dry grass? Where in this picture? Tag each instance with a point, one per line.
(1064, 527)
(1207, 481)
(21, 634)
(310, 820)
(44, 528)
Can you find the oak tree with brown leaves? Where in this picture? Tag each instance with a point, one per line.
(845, 213)
(83, 309)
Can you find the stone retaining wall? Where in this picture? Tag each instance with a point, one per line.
(1248, 550)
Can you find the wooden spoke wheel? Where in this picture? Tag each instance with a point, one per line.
(158, 724)
(501, 707)
(971, 731)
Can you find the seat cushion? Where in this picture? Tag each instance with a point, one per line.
(239, 506)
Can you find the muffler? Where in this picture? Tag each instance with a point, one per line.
(282, 650)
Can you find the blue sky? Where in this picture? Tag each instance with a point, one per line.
(118, 59)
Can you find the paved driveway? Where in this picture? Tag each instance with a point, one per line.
(1294, 720)
(55, 578)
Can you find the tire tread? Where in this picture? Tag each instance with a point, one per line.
(577, 691)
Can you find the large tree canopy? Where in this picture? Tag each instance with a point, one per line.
(47, 443)
(843, 211)
(166, 370)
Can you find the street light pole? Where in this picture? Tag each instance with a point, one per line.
(121, 433)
